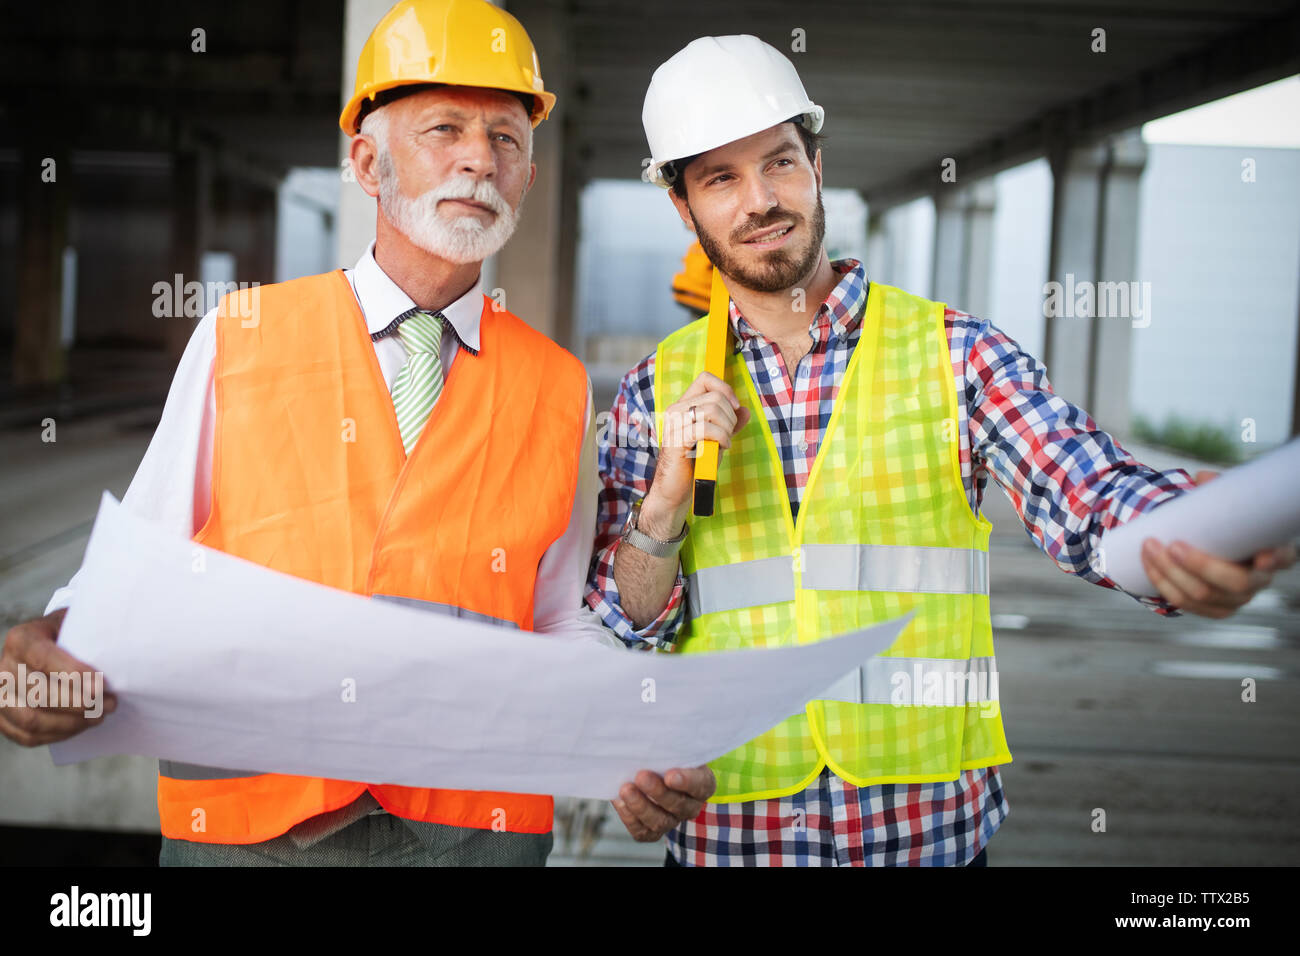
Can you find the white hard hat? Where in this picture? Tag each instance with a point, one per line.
(714, 91)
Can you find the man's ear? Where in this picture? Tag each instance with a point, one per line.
(817, 165)
(532, 177)
(683, 209)
(364, 158)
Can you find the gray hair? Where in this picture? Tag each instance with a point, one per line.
(375, 125)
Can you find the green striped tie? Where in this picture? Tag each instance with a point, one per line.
(419, 383)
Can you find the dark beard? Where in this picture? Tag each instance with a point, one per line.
(779, 270)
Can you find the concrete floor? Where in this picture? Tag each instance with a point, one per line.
(1106, 705)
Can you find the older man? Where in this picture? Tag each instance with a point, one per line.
(377, 430)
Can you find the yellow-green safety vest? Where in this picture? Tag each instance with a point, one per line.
(884, 528)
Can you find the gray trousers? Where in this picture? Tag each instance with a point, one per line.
(360, 835)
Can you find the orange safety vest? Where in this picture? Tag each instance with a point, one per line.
(309, 477)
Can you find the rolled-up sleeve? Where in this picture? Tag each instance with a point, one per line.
(627, 454)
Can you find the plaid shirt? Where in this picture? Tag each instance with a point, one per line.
(1068, 481)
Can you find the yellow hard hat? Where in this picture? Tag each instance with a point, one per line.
(691, 286)
(458, 42)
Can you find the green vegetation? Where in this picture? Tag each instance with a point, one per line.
(1211, 443)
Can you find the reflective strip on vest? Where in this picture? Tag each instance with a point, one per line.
(839, 567)
(893, 567)
(912, 682)
(743, 584)
(450, 610)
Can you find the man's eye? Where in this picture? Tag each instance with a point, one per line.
(718, 179)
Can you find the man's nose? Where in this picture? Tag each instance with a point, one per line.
(475, 155)
(760, 198)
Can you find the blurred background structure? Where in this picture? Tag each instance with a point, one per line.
(974, 152)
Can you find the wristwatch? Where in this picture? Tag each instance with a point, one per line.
(643, 542)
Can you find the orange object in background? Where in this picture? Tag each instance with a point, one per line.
(691, 286)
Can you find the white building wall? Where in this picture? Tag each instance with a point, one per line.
(1223, 259)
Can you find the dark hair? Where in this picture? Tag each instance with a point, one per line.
(811, 143)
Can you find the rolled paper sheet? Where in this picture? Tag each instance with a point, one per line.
(1243, 511)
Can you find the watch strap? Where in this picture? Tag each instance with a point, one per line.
(644, 542)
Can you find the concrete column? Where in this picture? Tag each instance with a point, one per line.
(963, 246)
(880, 251)
(191, 214)
(947, 267)
(1295, 384)
(572, 180)
(1110, 358)
(979, 249)
(906, 248)
(257, 263)
(45, 184)
(356, 221)
(536, 267)
(1089, 318)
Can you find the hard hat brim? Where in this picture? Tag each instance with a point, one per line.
(653, 169)
(349, 119)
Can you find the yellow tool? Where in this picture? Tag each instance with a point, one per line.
(715, 362)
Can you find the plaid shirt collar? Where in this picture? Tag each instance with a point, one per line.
(835, 319)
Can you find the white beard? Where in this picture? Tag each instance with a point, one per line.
(458, 239)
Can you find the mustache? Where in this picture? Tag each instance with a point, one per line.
(756, 224)
(466, 187)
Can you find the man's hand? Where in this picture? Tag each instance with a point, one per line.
(717, 415)
(653, 805)
(1203, 584)
(33, 643)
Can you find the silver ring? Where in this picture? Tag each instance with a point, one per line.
(692, 414)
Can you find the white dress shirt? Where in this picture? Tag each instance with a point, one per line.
(172, 486)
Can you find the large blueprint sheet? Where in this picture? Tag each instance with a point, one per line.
(225, 663)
